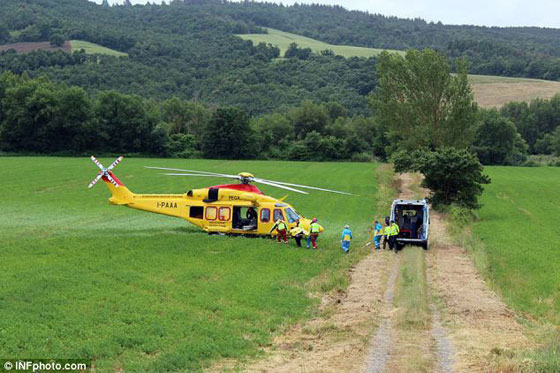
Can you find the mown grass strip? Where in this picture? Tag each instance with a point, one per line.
(411, 297)
(412, 324)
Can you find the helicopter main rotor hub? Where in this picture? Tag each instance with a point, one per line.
(246, 177)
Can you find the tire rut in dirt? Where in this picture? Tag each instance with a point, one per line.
(382, 340)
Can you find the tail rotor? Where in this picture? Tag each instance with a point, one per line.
(105, 172)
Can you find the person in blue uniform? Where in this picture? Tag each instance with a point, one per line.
(377, 234)
(345, 239)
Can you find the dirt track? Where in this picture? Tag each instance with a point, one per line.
(355, 333)
(338, 340)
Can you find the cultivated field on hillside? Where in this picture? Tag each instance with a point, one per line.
(92, 48)
(26, 47)
(283, 40)
(135, 291)
(495, 91)
(69, 46)
(519, 229)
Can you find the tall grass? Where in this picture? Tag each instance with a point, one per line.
(411, 298)
(513, 240)
(135, 291)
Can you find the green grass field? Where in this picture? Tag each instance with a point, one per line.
(92, 48)
(135, 291)
(520, 229)
(283, 40)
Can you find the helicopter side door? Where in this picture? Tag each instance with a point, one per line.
(245, 218)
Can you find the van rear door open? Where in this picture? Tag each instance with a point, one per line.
(413, 218)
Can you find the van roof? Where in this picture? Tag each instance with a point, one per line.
(410, 202)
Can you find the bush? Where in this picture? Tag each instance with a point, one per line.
(362, 157)
(182, 145)
(57, 40)
(530, 163)
(453, 176)
(462, 217)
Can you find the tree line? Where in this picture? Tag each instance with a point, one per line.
(38, 115)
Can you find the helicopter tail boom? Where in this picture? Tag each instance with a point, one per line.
(120, 195)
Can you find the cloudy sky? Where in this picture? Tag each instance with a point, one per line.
(544, 13)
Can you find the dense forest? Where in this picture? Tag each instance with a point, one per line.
(38, 116)
(189, 87)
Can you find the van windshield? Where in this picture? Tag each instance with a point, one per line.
(292, 215)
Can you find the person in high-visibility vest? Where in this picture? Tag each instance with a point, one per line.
(393, 233)
(386, 233)
(345, 239)
(282, 229)
(314, 230)
(377, 234)
(298, 233)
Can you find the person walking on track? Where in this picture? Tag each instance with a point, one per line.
(345, 239)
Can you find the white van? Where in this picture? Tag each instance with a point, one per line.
(413, 218)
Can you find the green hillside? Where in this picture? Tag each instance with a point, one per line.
(489, 90)
(283, 40)
(92, 48)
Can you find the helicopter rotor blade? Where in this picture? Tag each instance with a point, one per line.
(94, 181)
(94, 160)
(228, 176)
(303, 186)
(192, 171)
(267, 182)
(116, 162)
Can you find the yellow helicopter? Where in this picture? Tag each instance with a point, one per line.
(221, 209)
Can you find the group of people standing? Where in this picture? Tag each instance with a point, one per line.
(381, 235)
(388, 234)
(297, 232)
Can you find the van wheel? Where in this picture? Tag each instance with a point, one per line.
(425, 245)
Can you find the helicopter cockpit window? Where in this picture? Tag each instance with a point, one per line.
(292, 215)
(278, 215)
